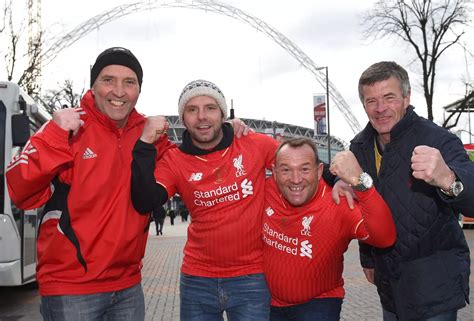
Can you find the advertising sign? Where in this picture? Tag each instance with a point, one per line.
(319, 108)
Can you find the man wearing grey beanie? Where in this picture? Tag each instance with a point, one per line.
(91, 241)
(221, 181)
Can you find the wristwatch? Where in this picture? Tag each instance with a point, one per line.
(455, 189)
(365, 182)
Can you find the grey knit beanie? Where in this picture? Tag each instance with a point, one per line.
(201, 88)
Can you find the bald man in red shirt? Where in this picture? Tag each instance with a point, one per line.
(306, 234)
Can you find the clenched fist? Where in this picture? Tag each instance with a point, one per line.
(155, 126)
(428, 165)
(345, 165)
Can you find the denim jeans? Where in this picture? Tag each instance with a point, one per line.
(243, 298)
(124, 305)
(324, 309)
(449, 316)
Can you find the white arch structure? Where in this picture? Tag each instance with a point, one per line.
(208, 6)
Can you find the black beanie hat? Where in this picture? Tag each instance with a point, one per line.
(116, 56)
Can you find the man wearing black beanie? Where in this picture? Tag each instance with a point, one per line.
(117, 56)
(91, 241)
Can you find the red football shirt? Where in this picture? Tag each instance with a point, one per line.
(224, 193)
(304, 246)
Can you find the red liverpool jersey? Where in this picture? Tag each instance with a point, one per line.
(224, 193)
(304, 246)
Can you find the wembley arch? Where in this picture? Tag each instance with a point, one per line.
(218, 8)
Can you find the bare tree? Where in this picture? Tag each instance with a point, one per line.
(3, 21)
(463, 105)
(16, 57)
(12, 36)
(64, 97)
(430, 27)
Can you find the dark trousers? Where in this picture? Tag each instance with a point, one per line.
(159, 226)
(324, 309)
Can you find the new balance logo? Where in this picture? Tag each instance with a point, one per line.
(269, 211)
(88, 154)
(195, 177)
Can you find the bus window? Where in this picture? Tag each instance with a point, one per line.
(20, 129)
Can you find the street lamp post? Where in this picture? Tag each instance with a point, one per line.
(327, 112)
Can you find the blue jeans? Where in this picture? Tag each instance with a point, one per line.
(243, 298)
(449, 316)
(124, 305)
(324, 309)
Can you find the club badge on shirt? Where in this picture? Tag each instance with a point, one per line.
(306, 225)
(239, 166)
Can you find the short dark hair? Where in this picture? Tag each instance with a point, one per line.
(295, 142)
(382, 71)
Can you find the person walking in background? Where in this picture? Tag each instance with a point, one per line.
(172, 215)
(221, 181)
(159, 215)
(306, 234)
(91, 241)
(424, 174)
(184, 214)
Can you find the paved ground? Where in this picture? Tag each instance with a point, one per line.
(160, 283)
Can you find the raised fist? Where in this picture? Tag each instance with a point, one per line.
(155, 126)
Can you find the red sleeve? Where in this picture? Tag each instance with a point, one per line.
(377, 227)
(162, 145)
(267, 146)
(165, 176)
(30, 173)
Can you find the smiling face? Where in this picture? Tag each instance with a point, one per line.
(116, 92)
(297, 174)
(203, 119)
(385, 105)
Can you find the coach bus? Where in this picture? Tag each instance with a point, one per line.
(20, 116)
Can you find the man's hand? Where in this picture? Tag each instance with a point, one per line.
(369, 274)
(155, 126)
(240, 128)
(343, 189)
(69, 119)
(428, 165)
(345, 165)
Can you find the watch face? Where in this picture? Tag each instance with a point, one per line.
(366, 180)
(457, 188)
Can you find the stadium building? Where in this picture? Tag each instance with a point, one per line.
(272, 128)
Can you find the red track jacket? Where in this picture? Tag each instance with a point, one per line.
(91, 239)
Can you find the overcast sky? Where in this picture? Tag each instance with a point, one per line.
(176, 46)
